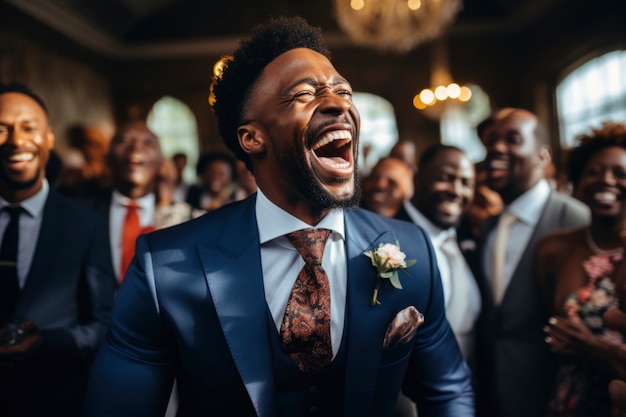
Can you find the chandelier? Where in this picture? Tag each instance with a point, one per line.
(443, 91)
(395, 25)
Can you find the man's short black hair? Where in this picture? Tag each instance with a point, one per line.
(268, 41)
(431, 152)
(15, 87)
(208, 158)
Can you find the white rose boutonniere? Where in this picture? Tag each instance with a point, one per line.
(387, 260)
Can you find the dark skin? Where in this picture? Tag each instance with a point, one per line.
(25, 142)
(298, 103)
(387, 186)
(445, 188)
(603, 188)
(516, 159)
(135, 159)
(616, 319)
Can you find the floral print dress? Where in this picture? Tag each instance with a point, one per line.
(581, 387)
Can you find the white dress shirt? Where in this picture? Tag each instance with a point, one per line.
(527, 208)
(461, 322)
(282, 263)
(29, 227)
(117, 214)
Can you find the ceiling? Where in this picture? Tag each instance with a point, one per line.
(175, 28)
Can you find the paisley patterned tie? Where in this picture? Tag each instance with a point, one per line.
(305, 329)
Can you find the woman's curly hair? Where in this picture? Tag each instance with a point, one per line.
(268, 41)
(589, 144)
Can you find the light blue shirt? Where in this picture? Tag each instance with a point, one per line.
(29, 227)
(281, 262)
(527, 208)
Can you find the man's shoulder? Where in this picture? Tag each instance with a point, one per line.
(572, 211)
(57, 203)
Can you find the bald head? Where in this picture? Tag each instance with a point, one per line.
(517, 152)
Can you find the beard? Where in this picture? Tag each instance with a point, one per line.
(308, 186)
(14, 185)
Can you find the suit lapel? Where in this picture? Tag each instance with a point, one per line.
(234, 275)
(50, 237)
(366, 324)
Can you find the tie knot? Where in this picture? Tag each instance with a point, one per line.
(14, 211)
(506, 219)
(310, 243)
(131, 205)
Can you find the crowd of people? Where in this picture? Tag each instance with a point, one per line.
(276, 284)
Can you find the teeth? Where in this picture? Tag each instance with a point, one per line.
(605, 197)
(21, 157)
(499, 164)
(331, 137)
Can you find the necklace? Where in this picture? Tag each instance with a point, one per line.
(598, 251)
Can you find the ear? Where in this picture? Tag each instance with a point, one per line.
(252, 138)
(50, 138)
(545, 156)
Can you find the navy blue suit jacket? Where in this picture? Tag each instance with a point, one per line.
(193, 306)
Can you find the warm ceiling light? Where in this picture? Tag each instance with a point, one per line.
(427, 96)
(466, 94)
(395, 25)
(441, 93)
(454, 90)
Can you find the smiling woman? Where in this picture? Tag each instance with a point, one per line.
(583, 285)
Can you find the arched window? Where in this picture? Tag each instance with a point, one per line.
(379, 131)
(175, 125)
(592, 93)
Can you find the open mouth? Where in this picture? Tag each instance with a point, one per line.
(334, 151)
(605, 197)
(498, 168)
(18, 160)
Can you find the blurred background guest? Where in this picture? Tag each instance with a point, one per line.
(514, 365)
(387, 187)
(56, 279)
(217, 181)
(181, 187)
(577, 271)
(444, 189)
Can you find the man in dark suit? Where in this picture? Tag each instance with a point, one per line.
(515, 365)
(211, 302)
(55, 271)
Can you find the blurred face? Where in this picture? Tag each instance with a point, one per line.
(217, 175)
(445, 187)
(602, 185)
(515, 161)
(135, 158)
(303, 133)
(389, 184)
(25, 143)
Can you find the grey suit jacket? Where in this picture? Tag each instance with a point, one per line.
(515, 366)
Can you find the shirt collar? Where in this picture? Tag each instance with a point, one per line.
(528, 206)
(274, 222)
(437, 235)
(33, 205)
(145, 202)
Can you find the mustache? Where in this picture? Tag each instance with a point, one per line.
(315, 132)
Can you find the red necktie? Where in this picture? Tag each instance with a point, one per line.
(130, 233)
(305, 329)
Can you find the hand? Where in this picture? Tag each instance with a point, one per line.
(31, 341)
(569, 335)
(616, 319)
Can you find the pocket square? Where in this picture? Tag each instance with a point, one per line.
(403, 327)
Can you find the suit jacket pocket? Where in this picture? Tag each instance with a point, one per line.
(397, 353)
